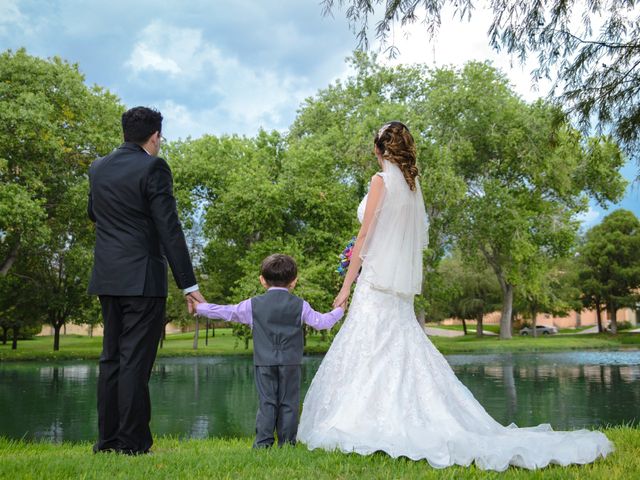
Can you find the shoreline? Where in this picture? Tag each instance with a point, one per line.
(79, 348)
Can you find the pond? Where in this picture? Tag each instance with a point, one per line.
(215, 396)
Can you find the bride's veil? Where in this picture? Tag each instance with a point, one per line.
(392, 252)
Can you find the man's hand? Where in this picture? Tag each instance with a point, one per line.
(193, 299)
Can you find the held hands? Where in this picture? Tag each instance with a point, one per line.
(193, 299)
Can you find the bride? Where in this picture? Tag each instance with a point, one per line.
(383, 385)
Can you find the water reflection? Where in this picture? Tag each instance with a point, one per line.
(203, 397)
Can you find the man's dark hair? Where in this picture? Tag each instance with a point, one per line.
(139, 123)
(279, 270)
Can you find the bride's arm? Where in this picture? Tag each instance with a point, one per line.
(373, 200)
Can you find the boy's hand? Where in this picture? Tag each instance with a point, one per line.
(344, 305)
(193, 299)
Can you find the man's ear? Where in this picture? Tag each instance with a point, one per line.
(293, 284)
(263, 282)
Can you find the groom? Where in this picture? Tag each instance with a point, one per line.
(131, 202)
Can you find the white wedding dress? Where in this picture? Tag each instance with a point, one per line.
(383, 386)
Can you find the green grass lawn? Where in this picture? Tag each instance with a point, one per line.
(234, 459)
(470, 327)
(75, 347)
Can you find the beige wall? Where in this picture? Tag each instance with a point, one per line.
(585, 318)
(98, 330)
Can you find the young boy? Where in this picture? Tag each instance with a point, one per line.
(276, 319)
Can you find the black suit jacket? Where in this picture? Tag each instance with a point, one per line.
(131, 202)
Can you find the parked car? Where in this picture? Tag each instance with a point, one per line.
(540, 329)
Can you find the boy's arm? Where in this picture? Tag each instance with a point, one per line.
(320, 321)
(240, 313)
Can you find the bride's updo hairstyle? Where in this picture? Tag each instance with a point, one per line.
(397, 145)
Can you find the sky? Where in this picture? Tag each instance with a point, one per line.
(234, 66)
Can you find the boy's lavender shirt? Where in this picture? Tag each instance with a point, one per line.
(241, 313)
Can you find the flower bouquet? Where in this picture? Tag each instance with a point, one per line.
(345, 257)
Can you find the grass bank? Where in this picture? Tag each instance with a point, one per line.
(234, 458)
(75, 347)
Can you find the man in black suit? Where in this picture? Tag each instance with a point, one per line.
(131, 202)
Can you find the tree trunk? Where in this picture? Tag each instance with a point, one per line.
(599, 318)
(507, 295)
(613, 321)
(164, 334)
(196, 334)
(5, 333)
(479, 326)
(206, 333)
(56, 335)
(90, 328)
(420, 318)
(213, 329)
(534, 321)
(464, 326)
(10, 259)
(507, 310)
(16, 331)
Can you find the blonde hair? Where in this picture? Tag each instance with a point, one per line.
(396, 144)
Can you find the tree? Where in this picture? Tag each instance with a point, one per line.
(472, 290)
(526, 173)
(591, 48)
(610, 273)
(501, 176)
(54, 126)
(60, 269)
(551, 291)
(19, 314)
(257, 198)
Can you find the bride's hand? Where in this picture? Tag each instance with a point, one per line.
(341, 298)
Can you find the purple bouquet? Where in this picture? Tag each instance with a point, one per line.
(345, 257)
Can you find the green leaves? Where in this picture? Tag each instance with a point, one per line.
(54, 126)
(610, 265)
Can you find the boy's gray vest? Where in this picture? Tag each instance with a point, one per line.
(278, 338)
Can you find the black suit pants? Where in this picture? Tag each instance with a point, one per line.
(132, 330)
(279, 404)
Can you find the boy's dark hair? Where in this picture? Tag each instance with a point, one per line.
(279, 270)
(139, 123)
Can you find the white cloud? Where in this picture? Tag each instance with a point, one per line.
(235, 97)
(142, 58)
(460, 41)
(166, 49)
(10, 15)
(589, 218)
